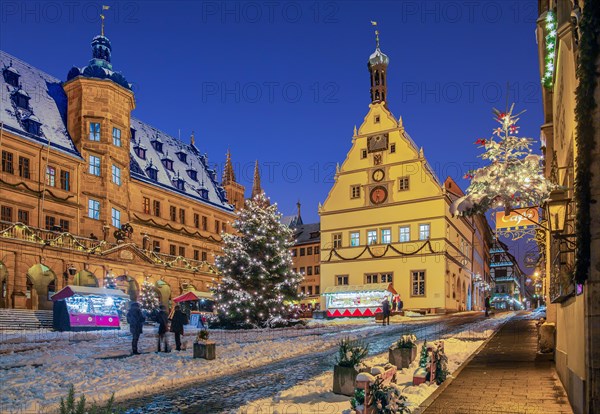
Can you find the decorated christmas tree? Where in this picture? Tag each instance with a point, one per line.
(513, 178)
(257, 284)
(110, 282)
(149, 300)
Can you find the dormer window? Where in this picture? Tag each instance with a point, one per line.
(179, 184)
(157, 145)
(152, 172)
(168, 163)
(193, 174)
(182, 156)
(32, 124)
(203, 193)
(132, 130)
(11, 76)
(21, 98)
(140, 151)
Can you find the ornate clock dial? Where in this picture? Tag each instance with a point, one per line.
(378, 195)
(378, 175)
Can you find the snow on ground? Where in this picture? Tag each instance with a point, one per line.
(36, 368)
(315, 396)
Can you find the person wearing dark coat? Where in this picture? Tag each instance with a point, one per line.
(135, 319)
(163, 321)
(487, 305)
(399, 304)
(385, 306)
(178, 320)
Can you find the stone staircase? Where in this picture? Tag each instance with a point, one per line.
(21, 319)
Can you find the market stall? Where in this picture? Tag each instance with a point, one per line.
(197, 305)
(356, 300)
(85, 308)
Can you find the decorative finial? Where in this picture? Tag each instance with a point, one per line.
(102, 17)
(376, 33)
(355, 130)
(193, 139)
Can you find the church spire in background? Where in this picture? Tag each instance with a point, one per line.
(228, 174)
(256, 188)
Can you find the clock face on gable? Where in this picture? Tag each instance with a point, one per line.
(378, 194)
(378, 175)
(377, 143)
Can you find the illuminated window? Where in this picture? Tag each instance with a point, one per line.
(51, 176)
(355, 239)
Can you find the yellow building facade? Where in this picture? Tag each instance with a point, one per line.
(386, 226)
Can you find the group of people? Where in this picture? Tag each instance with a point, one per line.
(396, 306)
(136, 319)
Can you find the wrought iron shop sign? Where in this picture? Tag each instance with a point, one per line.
(518, 224)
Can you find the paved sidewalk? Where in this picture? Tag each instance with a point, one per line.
(505, 378)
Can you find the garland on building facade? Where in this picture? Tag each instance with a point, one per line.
(587, 72)
(549, 58)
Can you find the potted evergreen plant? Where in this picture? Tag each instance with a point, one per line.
(203, 348)
(403, 352)
(351, 353)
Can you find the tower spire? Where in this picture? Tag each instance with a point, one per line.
(228, 174)
(378, 63)
(256, 188)
(102, 17)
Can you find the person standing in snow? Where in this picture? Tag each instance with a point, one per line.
(163, 321)
(487, 305)
(385, 305)
(399, 304)
(178, 320)
(135, 319)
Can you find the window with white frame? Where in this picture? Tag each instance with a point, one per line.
(372, 237)
(418, 283)
(386, 236)
(94, 209)
(94, 165)
(116, 218)
(404, 234)
(116, 137)
(355, 191)
(116, 175)
(403, 183)
(355, 238)
(424, 231)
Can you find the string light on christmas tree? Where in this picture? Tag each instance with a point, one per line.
(257, 259)
(513, 179)
(149, 301)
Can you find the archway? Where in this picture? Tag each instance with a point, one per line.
(463, 295)
(458, 292)
(3, 286)
(85, 278)
(164, 292)
(128, 285)
(41, 285)
(469, 305)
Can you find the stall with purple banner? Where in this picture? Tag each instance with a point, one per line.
(79, 308)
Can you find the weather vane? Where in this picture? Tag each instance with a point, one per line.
(376, 33)
(102, 17)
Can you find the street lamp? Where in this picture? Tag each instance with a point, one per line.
(557, 206)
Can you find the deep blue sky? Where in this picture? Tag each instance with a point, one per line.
(296, 75)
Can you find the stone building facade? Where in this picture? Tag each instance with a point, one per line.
(86, 189)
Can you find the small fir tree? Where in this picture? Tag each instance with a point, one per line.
(149, 301)
(424, 356)
(258, 284)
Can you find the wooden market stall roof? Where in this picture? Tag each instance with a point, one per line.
(192, 295)
(370, 287)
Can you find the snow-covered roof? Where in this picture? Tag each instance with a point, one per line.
(48, 103)
(206, 178)
(48, 106)
(72, 290)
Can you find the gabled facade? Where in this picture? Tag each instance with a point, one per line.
(509, 281)
(87, 190)
(386, 220)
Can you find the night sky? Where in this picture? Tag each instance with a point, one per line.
(285, 82)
